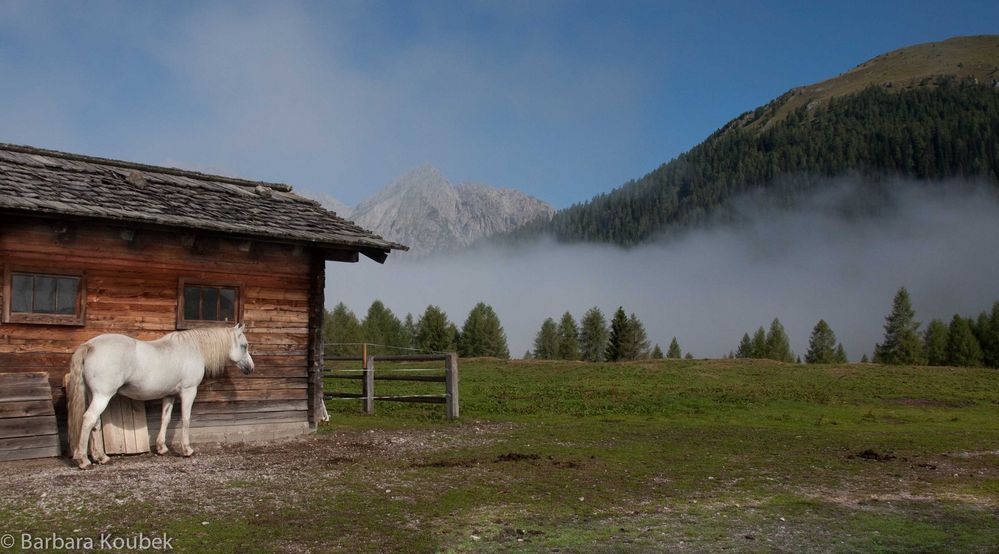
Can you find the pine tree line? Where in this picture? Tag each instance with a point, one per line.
(967, 341)
(594, 340)
(772, 344)
(481, 335)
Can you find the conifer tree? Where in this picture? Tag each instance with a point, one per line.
(821, 345)
(638, 345)
(409, 329)
(688, 356)
(546, 341)
(341, 331)
(434, 332)
(383, 330)
(778, 346)
(745, 349)
(902, 344)
(593, 335)
(988, 339)
(657, 353)
(864, 360)
(674, 349)
(759, 349)
(962, 346)
(840, 357)
(568, 338)
(991, 348)
(937, 341)
(619, 339)
(482, 334)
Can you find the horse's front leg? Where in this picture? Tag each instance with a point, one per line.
(161, 447)
(186, 401)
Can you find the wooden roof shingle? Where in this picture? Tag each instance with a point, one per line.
(50, 182)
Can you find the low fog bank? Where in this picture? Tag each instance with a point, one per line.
(831, 257)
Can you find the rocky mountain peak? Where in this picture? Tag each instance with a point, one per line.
(423, 210)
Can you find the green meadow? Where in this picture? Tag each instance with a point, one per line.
(673, 455)
(707, 455)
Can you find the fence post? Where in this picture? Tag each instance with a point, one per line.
(451, 384)
(369, 386)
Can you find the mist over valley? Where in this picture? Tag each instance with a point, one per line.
(829, 258)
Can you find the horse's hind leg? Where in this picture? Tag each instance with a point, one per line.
(97, 445)
(97, 406)
(186, 401)
(161, 447)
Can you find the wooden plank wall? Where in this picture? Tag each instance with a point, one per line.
(27, 420)
(124, 426)
(132, 281)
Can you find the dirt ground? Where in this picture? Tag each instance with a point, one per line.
(53, 485)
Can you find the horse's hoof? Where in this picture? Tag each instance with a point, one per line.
(103, 460)
(86, 465)
(161, 450)
(188, 453)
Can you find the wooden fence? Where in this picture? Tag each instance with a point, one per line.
(367, 375)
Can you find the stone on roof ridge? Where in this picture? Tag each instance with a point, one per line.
(23, 149)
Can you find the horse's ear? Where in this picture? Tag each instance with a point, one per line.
(240, 327)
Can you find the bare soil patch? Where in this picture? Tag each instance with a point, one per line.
(217, 475)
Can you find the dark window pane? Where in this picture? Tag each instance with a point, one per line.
(192, 303)
(227, 304)
(209, 304)
(44, 295)
(21, 286)
(66, 289)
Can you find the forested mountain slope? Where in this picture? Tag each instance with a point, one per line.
(934, 115)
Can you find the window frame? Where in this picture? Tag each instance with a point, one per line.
(183, 282)
(77, 319)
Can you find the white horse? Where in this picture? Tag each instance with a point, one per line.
(172, 365)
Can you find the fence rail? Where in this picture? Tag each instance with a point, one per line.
(368, 376)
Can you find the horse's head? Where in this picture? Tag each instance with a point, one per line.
(239, 352)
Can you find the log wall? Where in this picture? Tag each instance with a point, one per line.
(132, 278)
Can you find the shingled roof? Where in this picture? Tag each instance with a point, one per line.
(45, 181)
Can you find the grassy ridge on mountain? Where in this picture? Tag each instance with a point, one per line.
(963, 58)
(932, 117)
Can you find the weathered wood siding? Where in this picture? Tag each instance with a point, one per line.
(27, 420)
(132, 278)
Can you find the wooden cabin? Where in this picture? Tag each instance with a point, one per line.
(91, 245)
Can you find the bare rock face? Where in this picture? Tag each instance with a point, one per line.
(329, 202)
(423, 210)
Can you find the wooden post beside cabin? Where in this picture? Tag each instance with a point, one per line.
(91, 245)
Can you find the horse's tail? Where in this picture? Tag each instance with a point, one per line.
(76, 395)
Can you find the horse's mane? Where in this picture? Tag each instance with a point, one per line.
(214, 344)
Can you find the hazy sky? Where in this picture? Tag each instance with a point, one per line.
(560, 99)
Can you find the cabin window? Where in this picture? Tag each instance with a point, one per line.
(201, 304)
(43, 297)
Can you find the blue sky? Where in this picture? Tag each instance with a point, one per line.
(560, 99)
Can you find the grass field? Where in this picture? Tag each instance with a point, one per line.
(679, 455)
